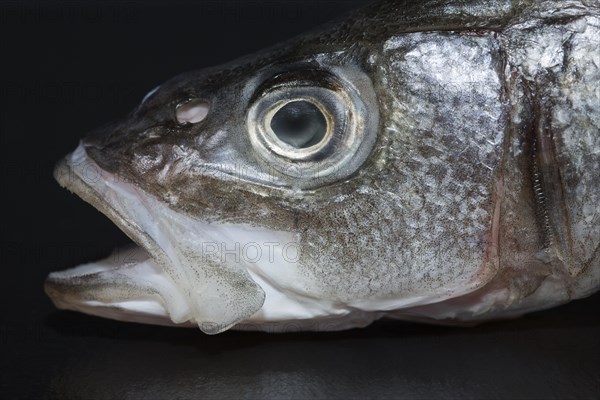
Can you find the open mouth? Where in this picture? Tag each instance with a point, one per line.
(130, 284)
(168, 278)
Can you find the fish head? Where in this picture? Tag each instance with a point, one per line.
(216, 176)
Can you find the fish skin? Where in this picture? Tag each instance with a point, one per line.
(473, 192)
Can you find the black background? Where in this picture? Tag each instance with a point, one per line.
(67, 68)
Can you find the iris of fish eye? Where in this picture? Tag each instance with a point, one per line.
(192, 111)
(300, 124)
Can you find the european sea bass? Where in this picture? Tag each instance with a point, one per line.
(433, 161)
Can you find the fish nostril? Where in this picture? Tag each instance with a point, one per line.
(192, 111)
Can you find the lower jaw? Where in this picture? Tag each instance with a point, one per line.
(87, 288)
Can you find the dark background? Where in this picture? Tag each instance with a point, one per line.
(67, 68)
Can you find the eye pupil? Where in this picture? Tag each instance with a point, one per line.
(300, 124)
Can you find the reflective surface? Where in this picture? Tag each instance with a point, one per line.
(67, 70)
(554, 354)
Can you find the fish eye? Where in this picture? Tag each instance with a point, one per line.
(191, 112)
(300, 124)
(313, 126)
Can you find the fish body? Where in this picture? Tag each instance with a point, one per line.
(429, 161)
